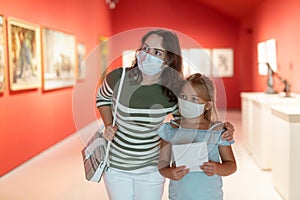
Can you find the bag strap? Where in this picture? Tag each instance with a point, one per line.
(115, 112)
(215, 125)
(118, 95)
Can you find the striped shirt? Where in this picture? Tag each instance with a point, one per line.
(141, 111)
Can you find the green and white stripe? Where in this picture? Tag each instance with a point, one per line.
(141, 110)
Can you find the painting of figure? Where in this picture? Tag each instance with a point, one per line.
(222, 62)
(24, 55)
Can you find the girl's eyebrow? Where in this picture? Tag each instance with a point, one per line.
(193, 95)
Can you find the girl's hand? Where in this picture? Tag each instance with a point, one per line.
(228, 134)
(209, 168)
(110, 132)
(176, 173)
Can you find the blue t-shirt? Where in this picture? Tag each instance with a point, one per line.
(195, 185)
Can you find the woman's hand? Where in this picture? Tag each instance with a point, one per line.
(209, 168)
(110, 132)
(228, 134)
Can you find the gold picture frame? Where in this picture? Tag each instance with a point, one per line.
(104, 56)
(24, 54)
(2, 54)
(59, 59)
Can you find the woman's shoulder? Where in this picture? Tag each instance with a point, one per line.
(113, 76)
(116, 72)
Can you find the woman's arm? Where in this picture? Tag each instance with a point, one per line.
(107, 118)
(228, 134)
(164, 155)
(106, 115)
(174, 173)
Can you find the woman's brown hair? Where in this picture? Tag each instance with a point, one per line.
(171, 77)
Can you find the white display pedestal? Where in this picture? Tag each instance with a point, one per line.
(256, 114)
(286, 150)
(247, 118)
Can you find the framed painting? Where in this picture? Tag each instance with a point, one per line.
(104, 51)
(59, 59)
(104, 55)
(196, 60)
(2, 55)
(81, 64)
(24, 54)
(222, 62)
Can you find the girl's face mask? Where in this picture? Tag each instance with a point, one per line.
(189, 109)
(148, 64)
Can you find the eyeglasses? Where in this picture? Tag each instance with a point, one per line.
(160, 53)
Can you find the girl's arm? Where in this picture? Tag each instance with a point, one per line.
(225, 168)
(228, 165)
(174, 173)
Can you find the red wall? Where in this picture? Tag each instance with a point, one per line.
(33, 120)
(206, 26)
(277, 19)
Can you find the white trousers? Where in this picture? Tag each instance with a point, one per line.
(122, 185)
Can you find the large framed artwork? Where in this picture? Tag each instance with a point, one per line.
(81, 64)
(196, 60)
(2, 54)
(59, 59)
(24, 54)
(222, 62)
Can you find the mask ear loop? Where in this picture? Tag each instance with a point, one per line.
(207, 108)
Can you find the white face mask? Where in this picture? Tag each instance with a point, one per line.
(151, 65)
(189, 109)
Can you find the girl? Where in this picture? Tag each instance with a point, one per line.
(198, 124)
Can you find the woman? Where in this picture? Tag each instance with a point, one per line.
(147, 97)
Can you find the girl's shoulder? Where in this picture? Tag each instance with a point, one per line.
(216, 126)
(167, 130)
(175, 123)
